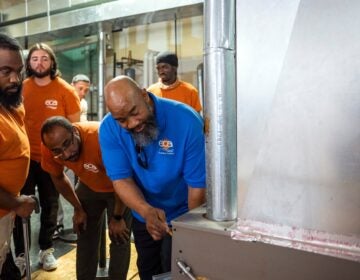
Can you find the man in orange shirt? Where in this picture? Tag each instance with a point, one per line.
(45, 95)
(169, 86)
(76, 146)
(81, 84)
(14, 145)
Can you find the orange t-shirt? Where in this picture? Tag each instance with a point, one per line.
(58, 98)
(89, 167)
(14, 151)
(179, 91)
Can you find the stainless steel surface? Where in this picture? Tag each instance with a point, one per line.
(219, 24)
(25, 226)
(298, 114)
(220, 110)
(102, 69)
(58, 18)
(200, 84)
(185, 269)
(207, 248)
(150, 74)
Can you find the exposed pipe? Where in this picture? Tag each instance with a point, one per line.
(92, 89)
(48, 12)
(102, 65)
(220, 109)
(175, 32)
(200, 83)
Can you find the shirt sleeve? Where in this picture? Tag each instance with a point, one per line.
(113, 150)
(72, 102)
(195, 103)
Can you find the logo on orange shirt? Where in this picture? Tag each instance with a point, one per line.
(91, 167)
(166, 147)
(51, 104)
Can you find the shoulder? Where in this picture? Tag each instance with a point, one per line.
(154, 88)
(188, 86)
(107, 124)
(64, 84)
(89, 132)
(176, 111)
(28, 82)
(87, 127)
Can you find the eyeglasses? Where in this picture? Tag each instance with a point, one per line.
(59, 152)
(141, 157)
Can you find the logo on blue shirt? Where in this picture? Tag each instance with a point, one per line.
(166, 147)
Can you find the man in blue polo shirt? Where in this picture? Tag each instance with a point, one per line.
(154, 152)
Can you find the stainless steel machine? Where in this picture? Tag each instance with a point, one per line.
(296, 98)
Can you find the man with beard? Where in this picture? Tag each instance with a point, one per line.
(14, 145)
(169, 85)
(153, 151)
(76, 146)
(45, 95)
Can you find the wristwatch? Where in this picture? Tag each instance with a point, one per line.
(117, 217)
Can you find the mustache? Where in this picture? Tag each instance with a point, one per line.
(11, 96)
(13, 87)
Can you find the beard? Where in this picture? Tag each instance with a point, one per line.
(148, 134)
(41, 74)
(10, 99)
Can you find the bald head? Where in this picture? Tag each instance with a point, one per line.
(119, 91)
(130, 105)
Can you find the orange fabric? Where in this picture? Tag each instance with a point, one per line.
(89, 167)
(182, 92)
(41, 102)
(14, 151)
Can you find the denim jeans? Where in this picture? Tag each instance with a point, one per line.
(48, 197)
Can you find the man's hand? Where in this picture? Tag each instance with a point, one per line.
(79, 221)
(26, 206)
(156, 223)
(118, 231)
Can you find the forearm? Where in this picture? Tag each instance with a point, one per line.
(131, 195)
(63, 185)
(8, 200)
(119, 207)
(196, 197)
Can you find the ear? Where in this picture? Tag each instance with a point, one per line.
(75, 131)
(145, 95)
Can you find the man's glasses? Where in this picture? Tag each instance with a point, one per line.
(59, 152)
(141, 157)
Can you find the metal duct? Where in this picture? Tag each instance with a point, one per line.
(220, 109)
(34, 19)
(102, 64)
(200, 83)
(150, 74)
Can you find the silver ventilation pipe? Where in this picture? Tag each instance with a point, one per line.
(220, 109)
(102, 65)
(200, 84)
